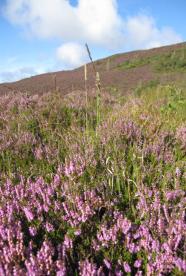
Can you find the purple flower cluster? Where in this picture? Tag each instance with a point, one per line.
(107, 236)
(84, 208)
(75, 167)
(126, 129)
(25, 211)
(161, 234)
(161, 147)
(181, 136)
(163, 229)
(36, 210)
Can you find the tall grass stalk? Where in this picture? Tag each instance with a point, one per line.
(86, 95)
(98, 88)
(98, 118)
(55, 82)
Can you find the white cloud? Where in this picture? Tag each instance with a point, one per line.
(72, 55)
(101, 21)
(19, 73)
(14, 75)
(96, 22)
(142, 32)
(15, 67)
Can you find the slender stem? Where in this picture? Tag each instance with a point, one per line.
(86, 96)
(98, 88)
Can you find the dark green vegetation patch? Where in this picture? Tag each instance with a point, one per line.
(168, 62)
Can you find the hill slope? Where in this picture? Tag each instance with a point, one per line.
(121, 72)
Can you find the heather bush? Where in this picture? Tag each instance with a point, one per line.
(89, 199)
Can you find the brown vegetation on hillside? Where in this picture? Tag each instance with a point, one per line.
(111, 75)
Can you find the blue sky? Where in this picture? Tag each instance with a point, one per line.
(38, 36)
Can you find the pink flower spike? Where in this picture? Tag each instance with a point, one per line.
(126, 267)
(28, 214)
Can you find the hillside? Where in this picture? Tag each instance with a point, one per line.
(121, 72)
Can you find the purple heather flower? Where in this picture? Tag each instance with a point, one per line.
(28, 214)
(126, 267)
(49, 227)
(137, 263)
(172, 195)
(77, 232)
(107, 264)
(139, 273)
(178, 172)
(87, 269)
(61, 268)
(181, 264)
(181, 136)
(67, 242)
(33, 231)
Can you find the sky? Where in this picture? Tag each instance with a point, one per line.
(38, 36)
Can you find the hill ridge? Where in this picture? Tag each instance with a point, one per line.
(122, 79)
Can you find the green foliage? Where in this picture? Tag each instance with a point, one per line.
(129, 64)
(167, 62)
(175, 61)
(146, 87)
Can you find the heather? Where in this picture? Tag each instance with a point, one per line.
(90, 189)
